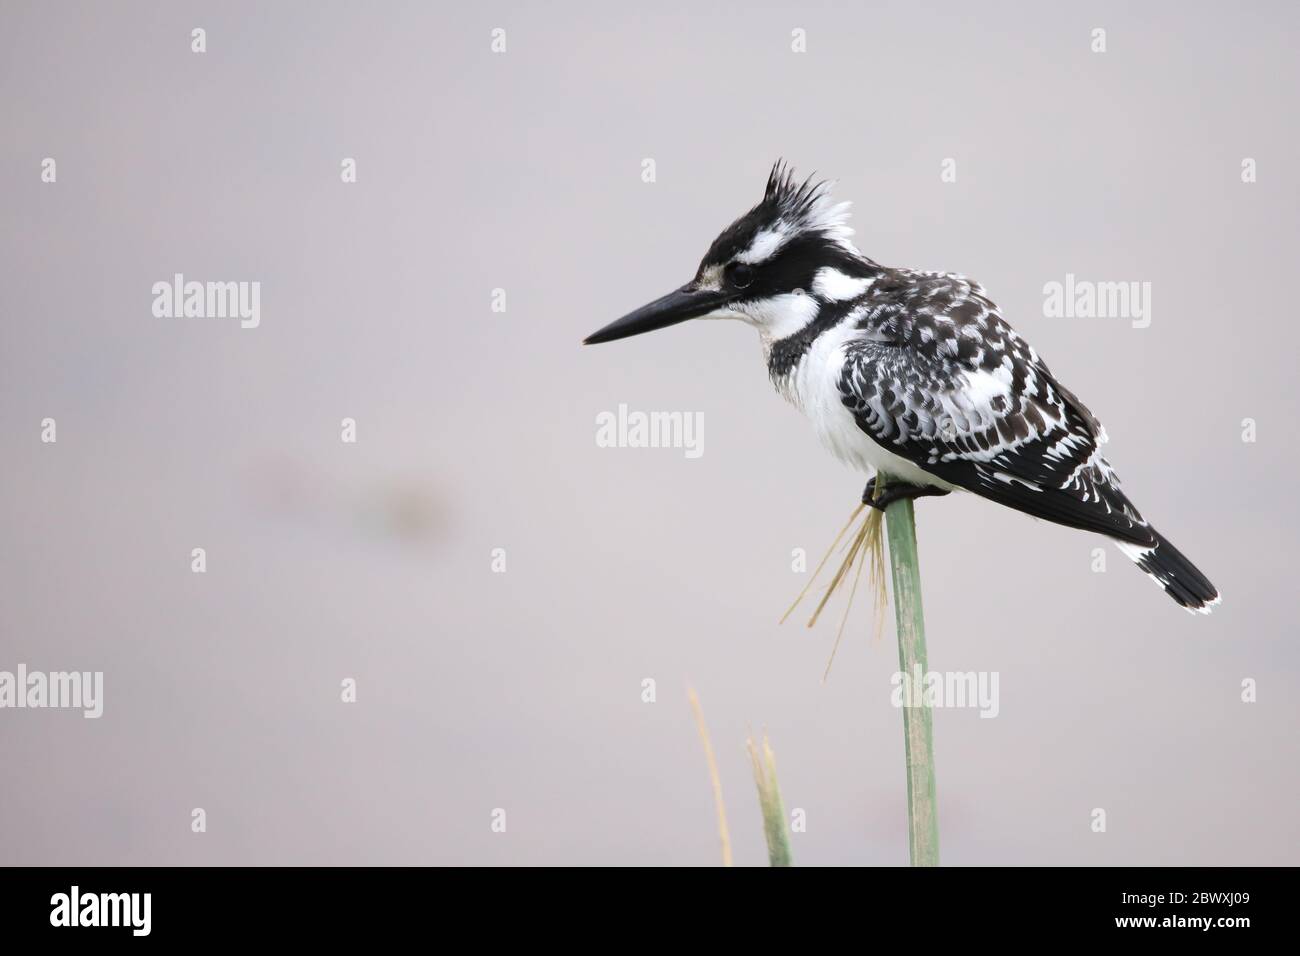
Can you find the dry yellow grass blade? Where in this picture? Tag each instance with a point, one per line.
(829, 551)
(867, 543)
(874, 548)
(848, 606)
(714, 778)
(847, 563)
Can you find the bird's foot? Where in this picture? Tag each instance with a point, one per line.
(896, 490)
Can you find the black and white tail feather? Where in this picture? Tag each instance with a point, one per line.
(1170, 569)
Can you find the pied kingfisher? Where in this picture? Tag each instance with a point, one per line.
(912, 375)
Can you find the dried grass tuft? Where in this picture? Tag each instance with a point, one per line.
(866, 545)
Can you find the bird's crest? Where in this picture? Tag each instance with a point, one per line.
(806, 206)
(790, 208)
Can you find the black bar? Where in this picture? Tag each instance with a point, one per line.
(371, 904)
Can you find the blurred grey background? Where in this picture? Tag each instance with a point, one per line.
(522, 690)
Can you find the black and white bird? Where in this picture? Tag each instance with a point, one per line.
(911, 375)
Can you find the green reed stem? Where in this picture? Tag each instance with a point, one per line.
(922, 809)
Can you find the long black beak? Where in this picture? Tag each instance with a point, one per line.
(677, 306)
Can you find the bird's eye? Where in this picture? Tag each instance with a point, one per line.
(741, 275)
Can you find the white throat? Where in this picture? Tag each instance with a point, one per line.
(780, 316)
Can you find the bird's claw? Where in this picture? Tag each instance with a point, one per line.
(896, 491)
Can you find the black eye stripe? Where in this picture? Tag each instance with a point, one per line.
(793, 266)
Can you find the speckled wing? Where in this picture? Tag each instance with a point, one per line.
(935, 375)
